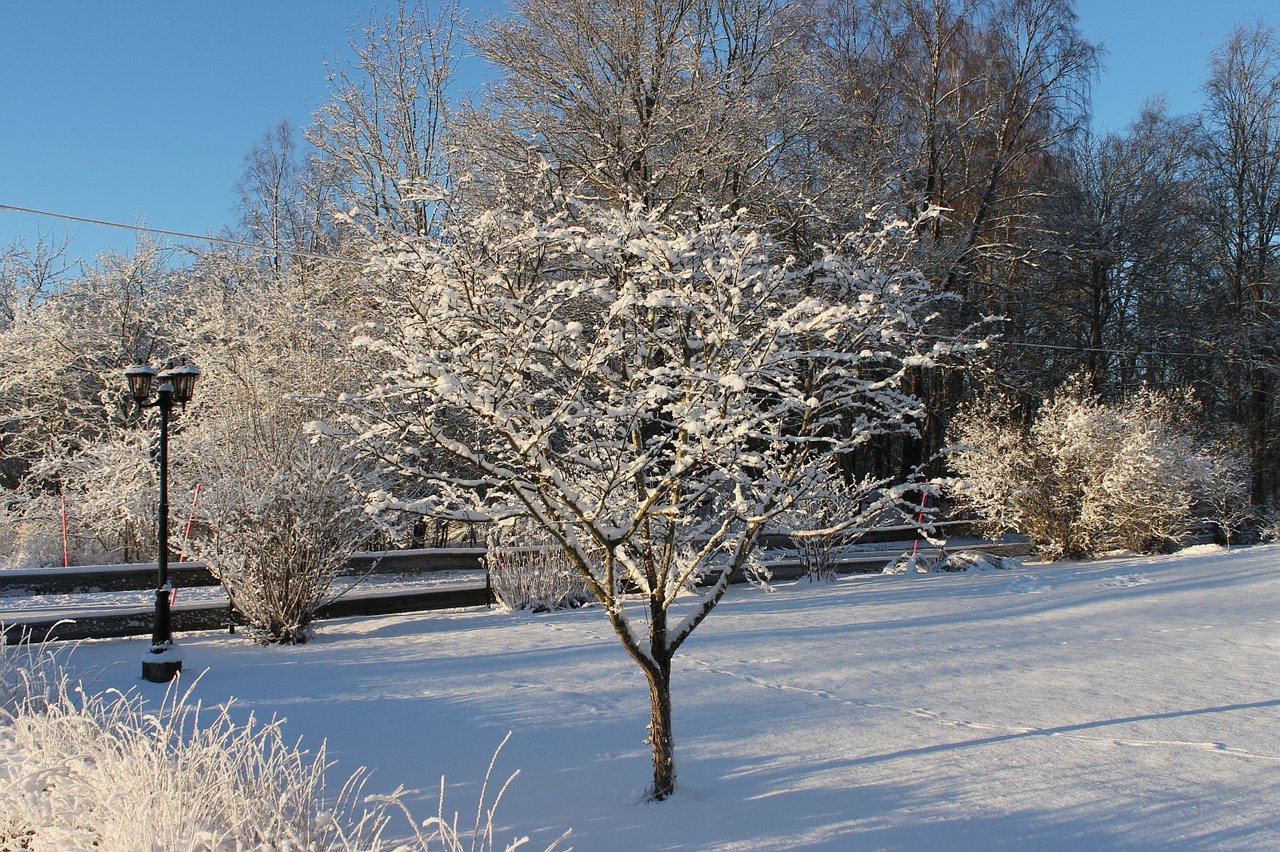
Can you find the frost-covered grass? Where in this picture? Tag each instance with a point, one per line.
(97, 770)
(81, 769)
(537, 578)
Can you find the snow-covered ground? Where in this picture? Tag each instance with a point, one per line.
(1126, 704)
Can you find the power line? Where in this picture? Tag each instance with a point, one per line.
(1136, 353)
(314, 256)
(226, 241)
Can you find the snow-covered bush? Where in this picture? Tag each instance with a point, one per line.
(528, 570)
(1085, 477)
(281, 507)
(29, 671)
(96, 771)
(280, 516)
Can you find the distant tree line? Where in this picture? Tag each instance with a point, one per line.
(1144, 258)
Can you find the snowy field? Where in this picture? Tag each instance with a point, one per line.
(1124, 704)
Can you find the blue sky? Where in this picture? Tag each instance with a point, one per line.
(142, 111)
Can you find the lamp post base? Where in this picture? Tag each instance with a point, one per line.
(162, 663)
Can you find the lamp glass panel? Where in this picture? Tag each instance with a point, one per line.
(139, 377)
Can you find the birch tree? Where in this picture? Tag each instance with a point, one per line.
(650, 393)
(665, 102)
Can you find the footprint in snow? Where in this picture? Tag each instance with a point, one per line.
(1025, 585)
(1125, 581)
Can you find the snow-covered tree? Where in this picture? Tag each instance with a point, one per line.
(64, 409)
(109, 491)
(1085, 476)
(650, 393)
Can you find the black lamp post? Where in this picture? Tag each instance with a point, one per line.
(177, 385)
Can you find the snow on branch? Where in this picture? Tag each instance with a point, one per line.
(650, 386)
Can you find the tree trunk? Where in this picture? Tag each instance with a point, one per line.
(1259, 405)
(661, 736)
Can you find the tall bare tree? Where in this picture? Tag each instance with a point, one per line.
(663, 102)
(384, 126)
(964, 105)
(1118, 246)
(1240, 174)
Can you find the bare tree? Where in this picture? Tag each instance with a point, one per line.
(1119, 243)
(384, 126)
(1240, 173)
(668, 103)
(288, 204)
(961, 105)
(28, 273)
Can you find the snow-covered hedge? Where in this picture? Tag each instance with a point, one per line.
(1085, 477)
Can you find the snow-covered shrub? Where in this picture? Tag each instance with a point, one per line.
(911, 563)
(281, 514)
(281, 507)
(833, 513)
(81, 770)
(528, 570)
(1227, 506)
(973, 561)
(1085, 477)
(28, 670)
(96, 771)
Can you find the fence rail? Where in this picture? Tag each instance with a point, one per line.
(134, 620)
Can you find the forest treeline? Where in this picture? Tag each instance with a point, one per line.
(1143, 258)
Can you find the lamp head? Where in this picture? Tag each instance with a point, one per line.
(183, 380)
(139, 377)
